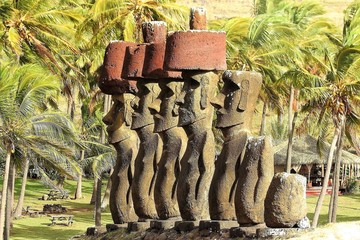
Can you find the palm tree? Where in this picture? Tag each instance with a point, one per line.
(311, 43)
(338, 97)
(28, 125)
(43, 31)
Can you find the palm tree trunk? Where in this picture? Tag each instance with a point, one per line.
(105, 201)
(9, 201)
(4, 189)
(98, 204)
(331, 204)
(78, 192)
(263, 120)
(20, 203)
(326, 178)
(291, 126)
(290, 143)
(93, 195)
(336, 186)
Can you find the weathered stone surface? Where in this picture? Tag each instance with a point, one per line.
(303, 223)
(125, 142)
(238, 107)
(217, 225)
(149, 151)
(110, 81)
(246, 232)
(267, 233)
(198, 18)
(197, 165)
(154, 31)
(115, 227)
(255, 174)
(163, 224)
(138, 226)
(235, 105)
(95, 231)
(134, 61)
(155, 34)
(186, 226)
(196, 50)
(285, 203)
(165, 114)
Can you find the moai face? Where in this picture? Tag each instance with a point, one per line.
(236, 101)
(119, 117)
(147, 93)
(164, 109)
(193, 100)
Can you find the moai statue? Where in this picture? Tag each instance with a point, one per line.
(255, 175)
(197, 165)
(149, 151)
(120, 135)
(199, 54)
(143, 64)
(235, 106)
(125, 142)
(166, 118)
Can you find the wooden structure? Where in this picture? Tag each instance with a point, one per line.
(67, 219)
(309, 161)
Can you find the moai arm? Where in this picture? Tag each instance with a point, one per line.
(266, 171)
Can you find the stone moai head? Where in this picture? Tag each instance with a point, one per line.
(236, 102)
(146, 95)
(194, 99)
(118, 118)
(164, 109)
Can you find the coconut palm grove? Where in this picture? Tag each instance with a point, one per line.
(75, 143)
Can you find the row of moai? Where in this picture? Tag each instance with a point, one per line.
(164, 92)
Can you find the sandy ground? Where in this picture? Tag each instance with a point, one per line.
(336, 231)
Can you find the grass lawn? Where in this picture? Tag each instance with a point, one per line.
(39, 228)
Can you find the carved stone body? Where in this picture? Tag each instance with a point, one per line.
(226, 175)
(197, 165)
(125, 142)
(255, 175)
(174, 138)
(149, 151)
(235, 106)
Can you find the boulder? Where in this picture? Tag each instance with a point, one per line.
(285, 203)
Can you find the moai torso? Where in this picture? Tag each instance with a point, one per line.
(197, 165)
(125, 142)
(165, 114)
(235, 105)
(255, 175)
(149, 151)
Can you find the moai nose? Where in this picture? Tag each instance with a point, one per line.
(135, 102)
(108, 119)
(155, 106)
(218, 101)
(180, 99)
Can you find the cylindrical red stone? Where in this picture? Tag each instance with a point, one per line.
(134, 61)
(110, 81)
(196, 50)
(198, 18)
(154, 32)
